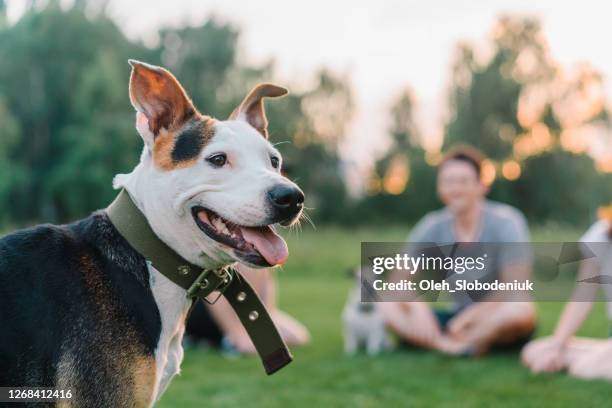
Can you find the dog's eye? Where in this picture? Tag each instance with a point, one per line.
(217, 160)
(275, 162)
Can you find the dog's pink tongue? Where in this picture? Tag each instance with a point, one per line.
(269, 244)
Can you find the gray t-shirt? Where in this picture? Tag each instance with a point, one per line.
(500, 223)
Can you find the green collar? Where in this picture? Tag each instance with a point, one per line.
(134, 227)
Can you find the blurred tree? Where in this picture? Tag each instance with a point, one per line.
(67, 125)
(524, 111)
(391, 171)
(484, 97)
(202, 57)
(307, 128)
(10, 135)
(329, 105)
(561, 186)
(402, 184)
(2, 14)
(44, 73)
(404, 131)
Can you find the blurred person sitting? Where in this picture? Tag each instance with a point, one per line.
(469, 328)
(218, 326)
(582, 357)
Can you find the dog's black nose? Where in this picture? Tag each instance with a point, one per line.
(286, 200)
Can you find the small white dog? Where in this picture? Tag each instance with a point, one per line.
(364, 324)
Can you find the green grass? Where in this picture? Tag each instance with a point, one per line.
(313, 287)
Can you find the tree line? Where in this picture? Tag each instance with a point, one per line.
(67, 127)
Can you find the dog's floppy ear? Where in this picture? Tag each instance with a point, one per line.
(252, 108)
(159, 98)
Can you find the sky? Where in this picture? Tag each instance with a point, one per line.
(382, 45)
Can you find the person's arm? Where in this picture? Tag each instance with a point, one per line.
(576, 312)
(546, 354)
(414, 322)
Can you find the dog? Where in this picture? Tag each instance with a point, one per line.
(80, 309)
(364, 324)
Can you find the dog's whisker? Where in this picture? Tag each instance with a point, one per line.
(298, 227)
(309, 220)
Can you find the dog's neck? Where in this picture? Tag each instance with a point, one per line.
(134, 227)
(145, 184)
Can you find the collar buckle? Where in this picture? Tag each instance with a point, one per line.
(210, 281)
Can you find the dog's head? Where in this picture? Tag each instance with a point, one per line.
(211, 189)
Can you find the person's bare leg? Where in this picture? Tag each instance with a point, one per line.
(489, 325)
(413, 322)
(227, 320)
(292, 331)
(589, 358)
(223, 314)
(400, 320)
(262, 280)
(579, 347)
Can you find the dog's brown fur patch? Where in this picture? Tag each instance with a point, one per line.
(143, 375)
(252, 106)
(126, 371)
(164, 149)
(157, 93)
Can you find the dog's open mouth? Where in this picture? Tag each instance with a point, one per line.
(260, 246)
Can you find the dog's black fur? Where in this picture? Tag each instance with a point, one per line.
(77, 311)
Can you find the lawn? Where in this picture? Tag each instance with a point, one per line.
(313, 287)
